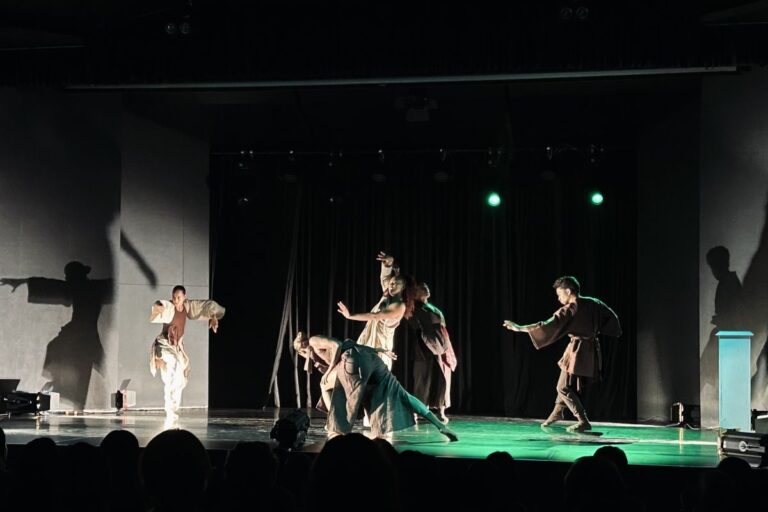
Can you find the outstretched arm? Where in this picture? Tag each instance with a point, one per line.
(393, 311)
(512, 326)
(205, 310)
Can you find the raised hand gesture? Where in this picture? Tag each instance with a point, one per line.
(385, 258)
(343, 310)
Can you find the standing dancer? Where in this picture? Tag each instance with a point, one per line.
(435, 357)
(383, 319)
(167, 353)
(583, 319)
(364, 381)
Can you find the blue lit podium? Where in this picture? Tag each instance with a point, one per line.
(735, 379)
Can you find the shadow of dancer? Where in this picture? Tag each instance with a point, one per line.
(755, 307)
(728, 316)
(77, 349)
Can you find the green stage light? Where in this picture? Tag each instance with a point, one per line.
(493, 199)
(596, 198)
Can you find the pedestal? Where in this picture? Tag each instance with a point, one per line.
(735, 379)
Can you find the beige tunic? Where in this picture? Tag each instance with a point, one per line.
(380, 333)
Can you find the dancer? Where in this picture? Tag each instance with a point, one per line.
(435, 357)
(583, 319)
(318, 359)
(167, 353)
(363, 380)
(396, 302)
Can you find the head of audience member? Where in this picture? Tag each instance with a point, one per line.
(293, 475)
(251, 464)
(174, 470)
(39, 460)
(120, 449)
(86, 471)
(338, 470)
(593, 483)
(615, 455)
(388, 450)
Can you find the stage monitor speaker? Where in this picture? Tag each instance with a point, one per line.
(685, 414)
(749, 446)
(291, 431)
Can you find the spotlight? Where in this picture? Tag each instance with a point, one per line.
(596, 198)
(582, 12)
(443, 155)
(493, 199)
(381, 155)
(566, 13)
(291, 156)
(171, 28)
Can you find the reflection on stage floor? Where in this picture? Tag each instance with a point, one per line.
(479, 436)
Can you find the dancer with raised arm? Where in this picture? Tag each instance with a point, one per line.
(583, 320)
(362, 380)
(167, 353)
(435, 359)
(381, 322)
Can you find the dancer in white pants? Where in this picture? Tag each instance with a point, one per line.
(167, 353)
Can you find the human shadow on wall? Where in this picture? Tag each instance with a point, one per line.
(729, 303)
(127, 246)
(755, 313)
(77, 349)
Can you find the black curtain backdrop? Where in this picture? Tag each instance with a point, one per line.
(483, 265)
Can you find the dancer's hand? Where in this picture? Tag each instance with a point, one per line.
(13, 283)
(343, 310)
(157, 309)
(385, 258)
(512, 326)
(213, 323)
(390, 354)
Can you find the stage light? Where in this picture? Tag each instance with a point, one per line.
(291, 431)
(171, 28)
(493, 199)
(596, 198)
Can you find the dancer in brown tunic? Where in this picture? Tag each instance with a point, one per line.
(435, 360)
(583, 319)
(364, 381)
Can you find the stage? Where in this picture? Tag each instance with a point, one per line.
(478, 436)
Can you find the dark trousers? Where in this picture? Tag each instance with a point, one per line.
(568, 396)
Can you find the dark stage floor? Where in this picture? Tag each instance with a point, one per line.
(479, 436)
